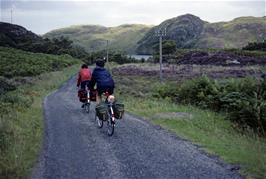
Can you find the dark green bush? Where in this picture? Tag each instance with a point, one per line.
(21, 63)
(243, 100)
(201, 92)
(256, 46)
(5, 85)
(165, 91)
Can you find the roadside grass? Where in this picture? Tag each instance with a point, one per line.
(210, 130)
(21, 123)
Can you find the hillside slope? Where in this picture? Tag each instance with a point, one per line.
(233, 34)
(184, 30)
(19, 63)
(93, 37)
(16, 36)
(189, 31)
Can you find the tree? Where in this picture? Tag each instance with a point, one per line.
(169, 47)
(256, 46)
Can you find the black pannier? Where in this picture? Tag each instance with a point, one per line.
(119, 110)
(102, 111)
(83, 95)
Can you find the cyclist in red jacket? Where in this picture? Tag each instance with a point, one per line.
(84, 77)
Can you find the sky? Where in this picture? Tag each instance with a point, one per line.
(41, 16)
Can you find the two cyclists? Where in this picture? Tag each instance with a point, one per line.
(107, 110)
(99, 77)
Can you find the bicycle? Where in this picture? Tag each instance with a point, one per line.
(110, 117)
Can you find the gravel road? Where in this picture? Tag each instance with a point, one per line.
(74, 148)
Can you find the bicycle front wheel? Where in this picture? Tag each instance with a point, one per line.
(99, 121)
(110, 127)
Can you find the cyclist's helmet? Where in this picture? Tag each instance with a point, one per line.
(100, 62)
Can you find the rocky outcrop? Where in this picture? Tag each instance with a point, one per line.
(189, 31)
(184, 30)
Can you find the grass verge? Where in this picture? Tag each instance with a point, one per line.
(21, 123)
(210, 130)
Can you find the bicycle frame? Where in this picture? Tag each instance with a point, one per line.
(109, 100)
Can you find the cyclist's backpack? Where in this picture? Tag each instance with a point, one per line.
(102, 111)
(83, 95)
(119, 110)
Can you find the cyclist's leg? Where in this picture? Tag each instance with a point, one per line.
(110, 91)
(83, 85)
(99, 95)
(88, 84)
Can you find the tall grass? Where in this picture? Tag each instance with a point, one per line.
(210, 130)
(21, 123)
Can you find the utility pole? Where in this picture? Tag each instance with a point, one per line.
(161, 33)
(11, 14)
(107, 55)
(11, 11)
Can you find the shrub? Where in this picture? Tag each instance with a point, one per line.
(202, 92)
(5, 85)
(165, 91)
(20, 63)
(243, 100)
(256, 46)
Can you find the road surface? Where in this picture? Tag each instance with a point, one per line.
(74, 148)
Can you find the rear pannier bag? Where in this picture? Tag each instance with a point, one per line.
(93, 94)
(83, 95)
(118, 110)
(102, 111)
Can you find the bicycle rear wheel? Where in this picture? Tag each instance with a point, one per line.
(87, 107)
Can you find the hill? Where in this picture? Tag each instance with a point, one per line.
(93, 37)
(18, 37)
(233, 34)
(189, 31)
(185, 30)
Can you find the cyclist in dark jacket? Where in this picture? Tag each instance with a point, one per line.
(102, 78)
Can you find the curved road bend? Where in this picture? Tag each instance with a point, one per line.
(74, 148)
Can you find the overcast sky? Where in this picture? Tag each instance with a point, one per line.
(43, 16)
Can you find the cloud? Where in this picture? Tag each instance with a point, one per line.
(43, 16)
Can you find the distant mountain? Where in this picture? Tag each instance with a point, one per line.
(93, 37)
(189, 31)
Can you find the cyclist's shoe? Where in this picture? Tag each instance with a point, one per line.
(83, 105)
